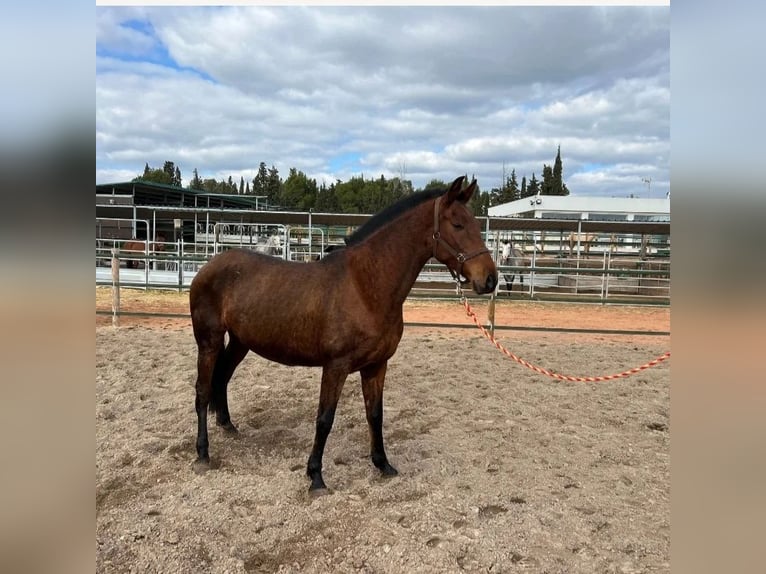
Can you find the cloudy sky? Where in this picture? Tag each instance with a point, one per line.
(424, 92)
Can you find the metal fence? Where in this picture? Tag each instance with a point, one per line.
(604, 277)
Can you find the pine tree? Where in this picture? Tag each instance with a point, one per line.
(261, 180)
(273, 189)
(534, 187)
(558, 188)
(512, 189)
(546, 188)
(196, 182)
(524, 191)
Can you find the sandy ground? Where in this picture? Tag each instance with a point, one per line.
(501, 469)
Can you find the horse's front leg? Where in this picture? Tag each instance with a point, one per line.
(373, 377)
(332, 385)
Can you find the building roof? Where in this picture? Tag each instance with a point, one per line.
(567, 207)
(149, 193)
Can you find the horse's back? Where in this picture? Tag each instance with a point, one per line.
(240, 280)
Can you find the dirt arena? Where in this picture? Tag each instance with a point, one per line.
(500, 469)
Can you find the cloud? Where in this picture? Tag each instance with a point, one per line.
(426, 91)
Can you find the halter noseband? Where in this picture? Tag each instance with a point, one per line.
(461, 257)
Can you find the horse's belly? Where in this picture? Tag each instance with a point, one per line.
(285, 348)
(288, 355)
(312, 351)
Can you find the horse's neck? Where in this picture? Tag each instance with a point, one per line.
(388, 262)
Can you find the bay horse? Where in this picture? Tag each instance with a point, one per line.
(139, 246)
(342, 313)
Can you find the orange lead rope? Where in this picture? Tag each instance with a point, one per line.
(472, 314)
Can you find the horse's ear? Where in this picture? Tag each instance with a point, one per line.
(457, 192)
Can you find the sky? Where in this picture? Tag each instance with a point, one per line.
(420, 92)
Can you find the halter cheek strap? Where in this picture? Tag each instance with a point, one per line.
(458, 255)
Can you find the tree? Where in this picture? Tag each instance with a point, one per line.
(174, 174)
(534, 186)
(299, 192)
(273, 188)
(558, 176)
(546, 188)
(350, 195)
(510, 191)
(558, 184)
(196, 182)
(327, 201)
(514, 193)
(168, 175)
(435, 183)
(261, 179)
(242, 185)
(524, 192)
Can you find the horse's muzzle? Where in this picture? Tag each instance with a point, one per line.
(488, 286)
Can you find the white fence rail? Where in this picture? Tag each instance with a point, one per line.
(598, 278)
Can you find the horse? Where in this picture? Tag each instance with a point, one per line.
(342, 313)
(514, 257)
(329, 249)
(271, 246)
(585, 240)
(139, 246)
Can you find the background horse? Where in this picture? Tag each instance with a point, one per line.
(342, 313)
(138, 246)
(585, 239)
(514, 257)
(271, 246)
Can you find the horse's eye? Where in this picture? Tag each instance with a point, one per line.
(456, 225)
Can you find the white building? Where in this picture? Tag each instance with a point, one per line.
(587, 224)
(586, 208)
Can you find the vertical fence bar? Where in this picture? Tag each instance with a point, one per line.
(180, 251)
(115, 287)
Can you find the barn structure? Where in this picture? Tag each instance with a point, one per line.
(570, 245)
(613, 223)
(144, 210)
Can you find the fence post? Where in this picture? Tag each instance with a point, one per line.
(115, 287)
(180, 247)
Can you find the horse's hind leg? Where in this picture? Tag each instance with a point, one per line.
(372, 389)
(227, 362)
(209, 347)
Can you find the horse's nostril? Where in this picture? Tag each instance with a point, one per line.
(491, 282)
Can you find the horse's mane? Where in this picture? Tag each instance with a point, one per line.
(392, 212)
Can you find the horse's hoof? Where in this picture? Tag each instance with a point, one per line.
(388, 470)
(318, 492)
(229, 428)
(201, 466)
(317, 483)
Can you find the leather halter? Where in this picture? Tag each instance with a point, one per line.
(459, 255)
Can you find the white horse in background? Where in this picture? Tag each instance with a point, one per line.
(271, 246)
(512, 256)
